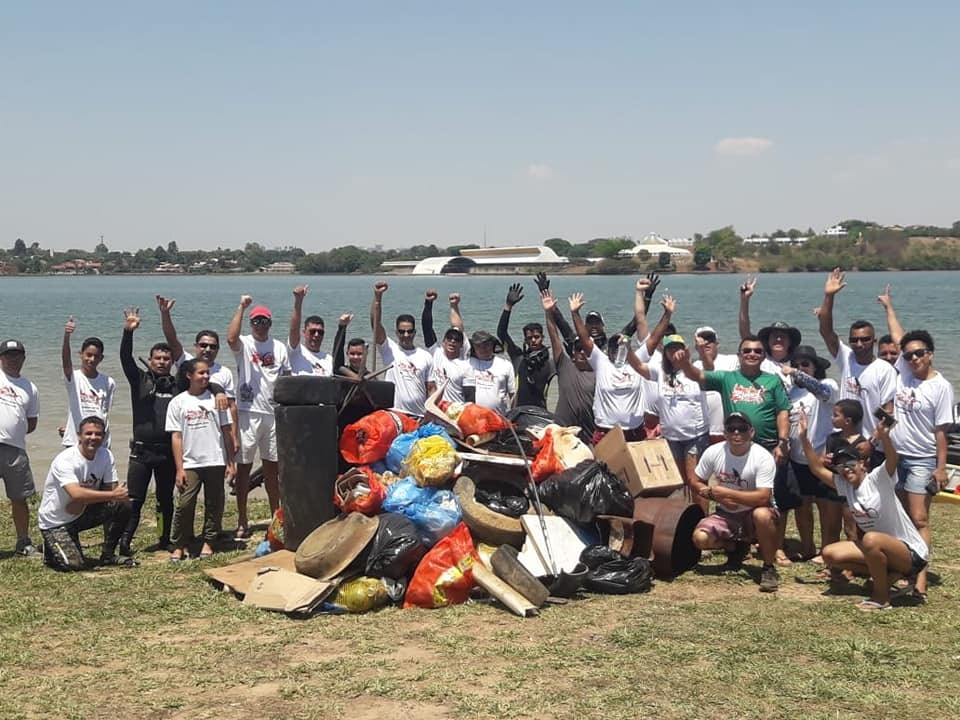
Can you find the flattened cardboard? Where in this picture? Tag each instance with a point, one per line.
(288, 592)
(643, 465)
(238, 576)
(565, 545)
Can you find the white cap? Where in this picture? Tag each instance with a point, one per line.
(706, 328)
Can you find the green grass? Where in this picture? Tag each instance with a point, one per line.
(160, 641)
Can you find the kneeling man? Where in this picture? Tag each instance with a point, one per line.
(743, 493)
(82, 492)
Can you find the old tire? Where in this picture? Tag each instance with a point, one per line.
(485, 524)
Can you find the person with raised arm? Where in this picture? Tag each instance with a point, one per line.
(531, 362)
(450, 355)
(577, 380)
(708, 349)
(89, 392)
(410, 367)
(923, 409)
(888, 543)
(863, 376)
(306, 357)
(619, 398)
(260, 359)
(82, 491)
(779, 339)
(19, 412)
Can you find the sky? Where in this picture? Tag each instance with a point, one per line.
(321, 124)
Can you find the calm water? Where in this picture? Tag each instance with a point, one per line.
(35, 308)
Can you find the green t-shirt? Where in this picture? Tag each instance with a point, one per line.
(760, 398)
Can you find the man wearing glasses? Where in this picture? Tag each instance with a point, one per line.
(260, 361)
(411, 366)
(306, 358)
(863, 376)
(743, 492)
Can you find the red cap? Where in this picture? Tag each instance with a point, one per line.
(261, 311)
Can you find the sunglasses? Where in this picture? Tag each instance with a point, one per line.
(922, 352)
(208, 346)
(406, 332)
(751, 351)
(733, 429)
(315, 331)
(260, 321)
(861, 340)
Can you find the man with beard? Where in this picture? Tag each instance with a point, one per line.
(577, 381)
(532, 362)
(411, 366)
(449, 356)
(863, 376)
(779, 339)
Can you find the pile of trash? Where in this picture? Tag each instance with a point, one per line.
(466, 505)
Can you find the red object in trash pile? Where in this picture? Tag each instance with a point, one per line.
(368, 440)
(445, 575)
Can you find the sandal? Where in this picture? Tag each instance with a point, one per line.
(817, 560)
(783, 560)
(242, 533)
(872, 605)
(919, 595)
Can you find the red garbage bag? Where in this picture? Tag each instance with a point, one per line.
(363, 500)
(477, 420)
(368, 439)
(546, 463)
(445, 575)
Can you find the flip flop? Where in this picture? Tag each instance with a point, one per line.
(872, 606)
(783, 560)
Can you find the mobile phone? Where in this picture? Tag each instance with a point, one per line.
(886, 418)
(932, 487)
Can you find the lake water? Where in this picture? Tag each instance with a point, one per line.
(34, 310)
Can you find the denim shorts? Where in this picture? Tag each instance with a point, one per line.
(694, 447)
(914, 473)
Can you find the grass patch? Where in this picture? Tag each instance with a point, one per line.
(160, 642)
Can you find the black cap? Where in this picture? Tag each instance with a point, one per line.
(594, 317)
(737, 416)
(12, 346)
(454, 332)
(807, 352)
(791, 332)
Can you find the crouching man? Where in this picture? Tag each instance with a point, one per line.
(82, 492)
(743, 493)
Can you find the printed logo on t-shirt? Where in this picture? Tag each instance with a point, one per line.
(265, 360)
(748, 394)
(197, 417)
(405, 368)
(906, 399)
(866, 518)
(92, 400)
(852, 385)
(8, 396)
(621, 379)
(92, 481)
(731, 477)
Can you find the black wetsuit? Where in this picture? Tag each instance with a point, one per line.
(534, 368)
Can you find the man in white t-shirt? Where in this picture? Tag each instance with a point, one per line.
(306, 358)
(260, 361)
(411, 366)
(89, 392)
(449, 353)
(19, 410)
(490, 381)
(82, 491)
(708, 348)
(744, 474)
(863, 376)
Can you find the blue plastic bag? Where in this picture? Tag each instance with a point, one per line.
(434, 512)
(400, 448)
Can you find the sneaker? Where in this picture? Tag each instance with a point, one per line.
(119, 561)
(736, 556)
(769, 579)
(25, 548)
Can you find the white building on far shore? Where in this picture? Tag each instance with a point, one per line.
(654, 244)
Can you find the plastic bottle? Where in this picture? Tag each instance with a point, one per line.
(622, 348)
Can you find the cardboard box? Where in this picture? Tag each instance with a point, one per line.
(287, 592)
(643, 466)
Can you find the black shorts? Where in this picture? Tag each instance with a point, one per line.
(810, 486)
(917, 563)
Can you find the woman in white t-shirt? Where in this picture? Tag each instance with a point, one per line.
(888, 542)
(618, 399)
(202, 449)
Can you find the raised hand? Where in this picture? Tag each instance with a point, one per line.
(884, 298)
(430, 296)
(643, 284)
(802, 422)
(749, 286)
(668, 303)
(836, 281)
(454, 300)
(165, 304)
(69, 326)
(514, 294)
(300, 292)
(131, 318)
(577, 301)
(345, 319)
(542, 281)
(653, 280)
(379, 288)
(246, 301)
(547, 299)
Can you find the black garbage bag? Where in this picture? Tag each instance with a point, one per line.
(524, 418)
(396, 548)
(503, 499)
(611, 573)
(585, 491)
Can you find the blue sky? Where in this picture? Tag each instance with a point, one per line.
(322, 124)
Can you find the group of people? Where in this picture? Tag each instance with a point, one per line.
(758, 433)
